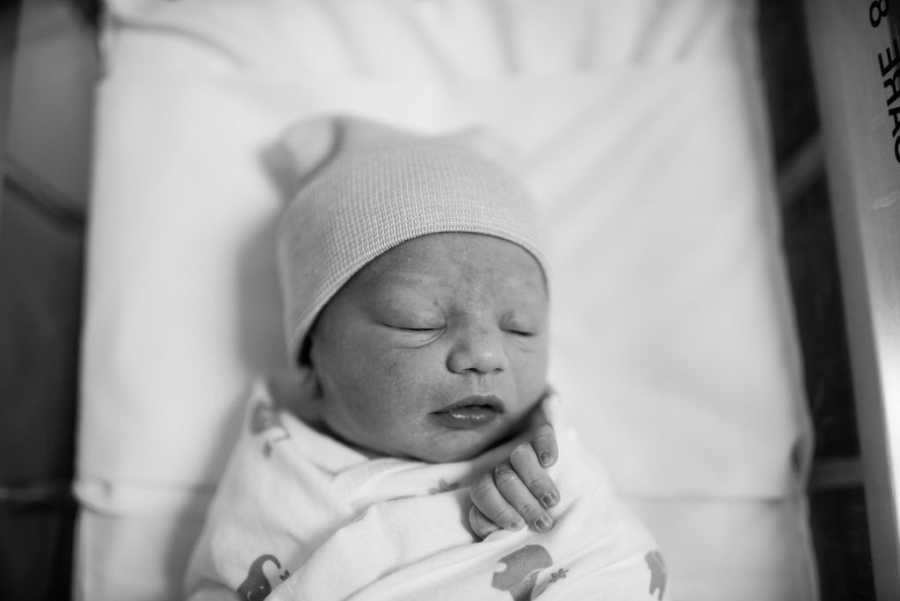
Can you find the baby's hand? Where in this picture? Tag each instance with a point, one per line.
(519, 490)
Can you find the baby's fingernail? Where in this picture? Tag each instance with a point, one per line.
(543, 523)
(549, 499)
(546, 458)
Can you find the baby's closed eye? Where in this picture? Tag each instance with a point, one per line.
(408, 316)
(519, 325)
(520, 331)
(413, 323)
(414, 328)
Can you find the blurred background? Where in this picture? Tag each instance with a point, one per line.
(48, 67)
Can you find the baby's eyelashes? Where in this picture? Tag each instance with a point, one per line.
(521, 324)
(414, 328)
(413, 335)
(520, 332)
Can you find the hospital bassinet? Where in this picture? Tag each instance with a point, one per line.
(640, 126)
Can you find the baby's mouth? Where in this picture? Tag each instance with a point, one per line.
(470, 413)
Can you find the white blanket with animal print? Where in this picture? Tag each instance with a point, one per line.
(300, 516)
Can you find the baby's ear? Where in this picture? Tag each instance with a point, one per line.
(298, 391)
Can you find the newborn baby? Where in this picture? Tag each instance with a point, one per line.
(416, 302)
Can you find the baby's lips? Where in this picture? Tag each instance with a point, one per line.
(470, 412)
(490, 401)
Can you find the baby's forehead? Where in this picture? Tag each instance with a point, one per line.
(455, 257)
(447, 252)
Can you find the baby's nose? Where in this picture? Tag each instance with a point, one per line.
(477, 349)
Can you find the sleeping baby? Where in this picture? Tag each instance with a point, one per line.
(406, 454)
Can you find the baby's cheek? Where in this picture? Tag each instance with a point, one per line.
(400, 381)
(419, 367)
(531, 374)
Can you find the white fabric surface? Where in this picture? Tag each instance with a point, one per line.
(338, 524)
(636, 123)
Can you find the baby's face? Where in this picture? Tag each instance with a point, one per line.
(436, 350)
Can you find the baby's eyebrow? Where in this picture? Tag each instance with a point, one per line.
(406, 292)
(522, 283)
(405, 276)
(406, 280)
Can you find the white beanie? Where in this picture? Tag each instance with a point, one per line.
(374, 196)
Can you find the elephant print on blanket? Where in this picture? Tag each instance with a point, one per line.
(520, 571)
(657, 568)
(257, 586)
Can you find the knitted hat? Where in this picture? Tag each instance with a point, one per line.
(378, 194)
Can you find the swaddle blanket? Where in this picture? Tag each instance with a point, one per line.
(301, 516)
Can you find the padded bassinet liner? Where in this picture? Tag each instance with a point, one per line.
(637, 124)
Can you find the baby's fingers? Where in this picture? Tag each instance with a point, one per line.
(487, 498)
(536, 480)
(520, 498)
(479, 524)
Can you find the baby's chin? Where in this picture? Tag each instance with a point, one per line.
(451, 447)
(452, 454)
